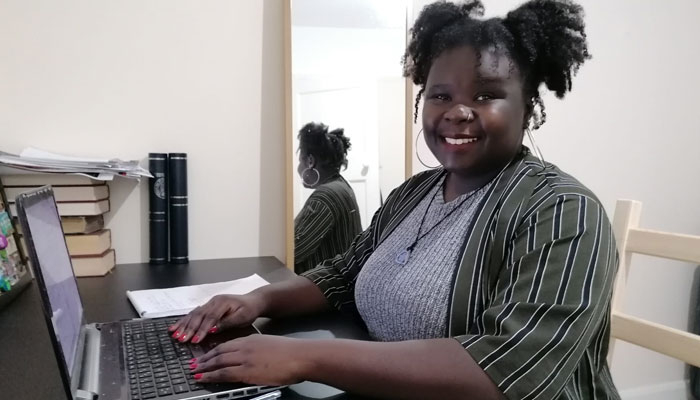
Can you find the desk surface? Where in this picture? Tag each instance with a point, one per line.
(27, 364)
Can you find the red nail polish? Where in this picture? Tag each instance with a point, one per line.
(197, 376)
(193, 366)
(194, 360)
(213, 329)
(195, 339)
(183, 338)
(176, 334)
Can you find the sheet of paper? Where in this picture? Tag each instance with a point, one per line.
(32, 152)
(153, 303)
(36, 160)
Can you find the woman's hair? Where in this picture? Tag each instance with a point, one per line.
(330, 149)
(545, 39)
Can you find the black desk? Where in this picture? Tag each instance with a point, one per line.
(28, 369)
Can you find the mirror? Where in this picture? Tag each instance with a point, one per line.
(345, 72)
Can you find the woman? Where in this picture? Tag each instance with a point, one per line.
(329, 220)
(488, 278)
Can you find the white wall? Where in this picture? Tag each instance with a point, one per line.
(122, 78)
(391, 92)
(631, 129)
(352, 52)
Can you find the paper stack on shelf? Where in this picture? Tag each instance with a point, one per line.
(38, 161)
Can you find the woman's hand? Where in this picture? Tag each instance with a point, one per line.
(255, 359)
(219, 313)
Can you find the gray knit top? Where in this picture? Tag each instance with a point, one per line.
(404, 302)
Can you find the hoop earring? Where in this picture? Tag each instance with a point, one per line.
(535, 148)
(418, 155)
(303, 176)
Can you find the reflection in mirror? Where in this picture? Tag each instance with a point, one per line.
(330, 218)
(346, 74)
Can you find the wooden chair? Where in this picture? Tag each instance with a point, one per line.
(631, 239)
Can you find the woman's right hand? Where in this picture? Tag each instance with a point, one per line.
(219, 313)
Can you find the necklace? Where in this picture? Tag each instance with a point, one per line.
(404, 255)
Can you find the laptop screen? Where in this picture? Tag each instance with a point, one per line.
(61, 289)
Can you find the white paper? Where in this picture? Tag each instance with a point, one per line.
(36, 160)
(32, 152)
(155, 303)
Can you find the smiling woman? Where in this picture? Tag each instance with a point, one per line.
(489, 277)
(473, 118)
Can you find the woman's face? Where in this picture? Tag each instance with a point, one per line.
(474, 111)
(305, 162)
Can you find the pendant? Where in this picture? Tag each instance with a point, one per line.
(402, 257)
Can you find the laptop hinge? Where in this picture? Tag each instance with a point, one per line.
(90, 373)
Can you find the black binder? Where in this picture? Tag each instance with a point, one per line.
(158, 208)
(177, 175)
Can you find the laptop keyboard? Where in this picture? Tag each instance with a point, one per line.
(157, 365)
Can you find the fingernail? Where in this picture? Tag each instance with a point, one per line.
(183, 338)
(195, 339)
(213, 329)
(176, 334)
(194, 360)
(197, 376)
(193, 366)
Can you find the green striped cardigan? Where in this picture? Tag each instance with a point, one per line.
(531, 295)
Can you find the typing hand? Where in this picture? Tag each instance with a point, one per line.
(219, 313)
(255, 359)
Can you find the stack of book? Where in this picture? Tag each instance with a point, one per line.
(13, 271)
(82, 203)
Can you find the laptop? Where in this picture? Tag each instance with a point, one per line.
(132, 359)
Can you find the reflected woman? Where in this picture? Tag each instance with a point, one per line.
(330, 218)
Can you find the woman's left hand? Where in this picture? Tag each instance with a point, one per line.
(255, 359)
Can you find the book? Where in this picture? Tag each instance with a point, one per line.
(65, 193)
(83, 208)
(83, 246)
(95, 265)
(156, 303)
(87, 224)
(46, 179)
(89, 244)
(158, 208)
(178, 204)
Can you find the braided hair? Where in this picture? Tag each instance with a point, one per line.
(330, 149)
(544, 39)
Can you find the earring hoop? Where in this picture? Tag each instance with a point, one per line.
(535, 148)
(303, 176)
(418, 155)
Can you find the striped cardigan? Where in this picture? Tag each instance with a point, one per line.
(326, 225)
(531, 293)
